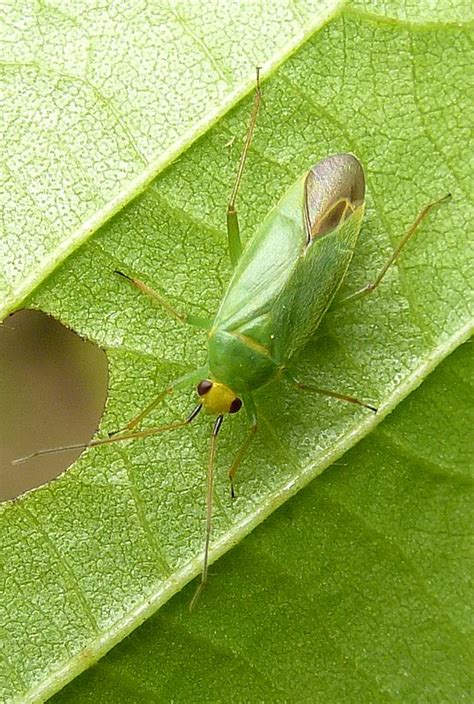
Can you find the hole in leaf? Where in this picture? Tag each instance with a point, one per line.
(53, 387)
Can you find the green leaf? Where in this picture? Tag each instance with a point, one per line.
(358, 589)
(99, 100)
(423, 13)
(92, 554)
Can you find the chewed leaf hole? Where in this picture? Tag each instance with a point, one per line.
(53, 388)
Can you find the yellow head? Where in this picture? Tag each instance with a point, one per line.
(217, 398)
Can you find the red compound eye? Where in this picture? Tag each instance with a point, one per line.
(235, 406)
(204, 387)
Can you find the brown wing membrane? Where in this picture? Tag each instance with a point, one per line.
(334, 188)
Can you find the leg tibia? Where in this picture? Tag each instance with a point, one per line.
(233, 232)
(193, 377)
(368, 288)
(252, 415)
(184, 318)
(332, 394)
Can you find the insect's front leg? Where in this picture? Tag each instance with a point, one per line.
(233, 230)
(369, 288)
(182, 381)
(251, 409)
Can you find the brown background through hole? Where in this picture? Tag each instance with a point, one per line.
(53, 387)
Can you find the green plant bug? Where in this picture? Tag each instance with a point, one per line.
(282, 285)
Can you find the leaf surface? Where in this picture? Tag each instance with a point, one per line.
(99, 99)
(358, 589)
(92, 554)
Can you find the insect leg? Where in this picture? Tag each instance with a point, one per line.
(209, 504)
(252, 414)
(190, 378)
(116, 438)
(184, 318)
(424, 212)
(325, 392)
(233, 231)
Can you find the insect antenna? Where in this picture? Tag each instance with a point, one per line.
(115, 438)
(209, 503)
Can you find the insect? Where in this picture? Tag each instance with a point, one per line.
(282, 284)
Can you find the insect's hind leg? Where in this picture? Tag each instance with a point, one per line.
(184, 318)
(233, 230)
(252, 415)
(192, 377)
(326, 392)
(369, 288)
